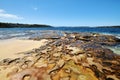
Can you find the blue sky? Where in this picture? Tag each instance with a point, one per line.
(61, 12)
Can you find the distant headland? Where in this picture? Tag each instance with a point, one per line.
(19, 25)
(108, 26)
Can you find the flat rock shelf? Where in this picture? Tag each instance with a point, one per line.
(73, 56)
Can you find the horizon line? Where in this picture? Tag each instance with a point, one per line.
(60, 25)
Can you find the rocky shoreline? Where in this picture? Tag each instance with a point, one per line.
(73, 56)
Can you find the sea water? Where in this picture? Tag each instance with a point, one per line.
(8, 33)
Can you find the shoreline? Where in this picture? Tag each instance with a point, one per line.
(73, 56)
(11, 47)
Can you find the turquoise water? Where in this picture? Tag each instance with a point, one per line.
(115, 49)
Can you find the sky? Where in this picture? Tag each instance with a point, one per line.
(61, 12)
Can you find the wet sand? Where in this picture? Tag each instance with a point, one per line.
(10, 47)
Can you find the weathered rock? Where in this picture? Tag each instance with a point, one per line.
(34, 74)
(74, 56)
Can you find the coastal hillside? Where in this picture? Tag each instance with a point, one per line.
(108, 26)
(18, 25)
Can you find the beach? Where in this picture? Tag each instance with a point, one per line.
(11, 47)
(60, 40)
(74, 56)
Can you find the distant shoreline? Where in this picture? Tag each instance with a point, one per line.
(19, 25)
(108, 26)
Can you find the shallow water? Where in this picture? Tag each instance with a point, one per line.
(115, 49)
(7, 33)
(25, 33)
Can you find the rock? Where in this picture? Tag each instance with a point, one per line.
(34, 74)
(72, 56)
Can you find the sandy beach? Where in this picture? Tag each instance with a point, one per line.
(9, 48)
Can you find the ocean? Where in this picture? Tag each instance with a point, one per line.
(25, 33)
(7, 33)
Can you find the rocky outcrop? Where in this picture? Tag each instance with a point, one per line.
(71, 57)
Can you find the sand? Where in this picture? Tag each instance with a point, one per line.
(9, 48)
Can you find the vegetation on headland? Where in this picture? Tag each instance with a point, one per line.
(18, 25)
(108, 26)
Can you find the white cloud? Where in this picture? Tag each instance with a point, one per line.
(4, 15)
(35, 9)
(2, 11)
